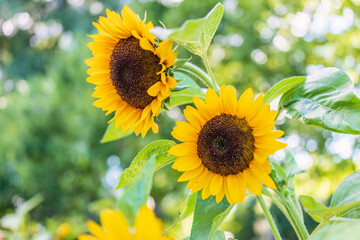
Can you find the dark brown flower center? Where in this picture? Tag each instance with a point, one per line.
(133, 71)
(226, 144)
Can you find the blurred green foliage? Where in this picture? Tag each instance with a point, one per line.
(50, 132)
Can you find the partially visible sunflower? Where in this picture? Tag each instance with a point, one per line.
(226, 142)
(130, 70)
(115, 226)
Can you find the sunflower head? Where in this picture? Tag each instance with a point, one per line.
(129, 70)
(115, 226)
(225, 145)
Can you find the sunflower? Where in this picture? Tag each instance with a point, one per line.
(129, 70)
(115, 226)
(225, 145)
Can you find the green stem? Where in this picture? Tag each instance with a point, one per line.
(298, 224)
(203, 79)
(277, 201)
(269, 217)
(208, 69)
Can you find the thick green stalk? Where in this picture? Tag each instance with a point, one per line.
(201, 77)
(269, 217)
(211, 74)
(298, 224)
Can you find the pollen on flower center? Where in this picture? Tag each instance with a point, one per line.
(133, 70)
(226, 144)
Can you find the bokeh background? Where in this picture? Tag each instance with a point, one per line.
(50, 132)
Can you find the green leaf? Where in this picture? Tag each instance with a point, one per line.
(112, 134)
(179, 63)
(219, 235)
(208, 216)
(189, 207)
(282, 87)
(325, 100)
(218, 220)
(137, 194)
(285, 173)
(196, 35)
(162, 158)
(315, 209)
(336, 231)
(185, 96)
(319, 212)
(347, 193)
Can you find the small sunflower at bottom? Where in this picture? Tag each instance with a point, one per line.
(115, 226)
(225, 145)
(129, 70)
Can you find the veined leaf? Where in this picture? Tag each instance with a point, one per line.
(208, 216)
(162, 158)
(336, 231)
(345, 202)
(282, 87)
(137, 194)
(196, 35)
(348, 193)
(325, 100)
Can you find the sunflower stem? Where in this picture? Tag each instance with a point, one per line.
(211, 74)
(269, 217)
(297, 222)
(201, 77)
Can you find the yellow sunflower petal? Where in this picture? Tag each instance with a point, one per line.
(184, 149)
(262, 176)
(115, 224)
(185, 132)
(191, 174)
(244, 103)
(213, 102)
(186, 163)
(96, 230)
(252, 183)
(154, 89)
(145, 44)
(228, 97)
(171, 82)
(86, 237)
(216, 184)
(147, 225)
(221, 193)
(234, 188)
(194, 118)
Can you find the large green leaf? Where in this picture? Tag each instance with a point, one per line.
(345, 202)
(196, 35)
(315, 209)
(336, 231)
(348, 193)
(208, 216)
(137, 194)
(112, 134)
(162, 158)
(325, 100)
(282, 87)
